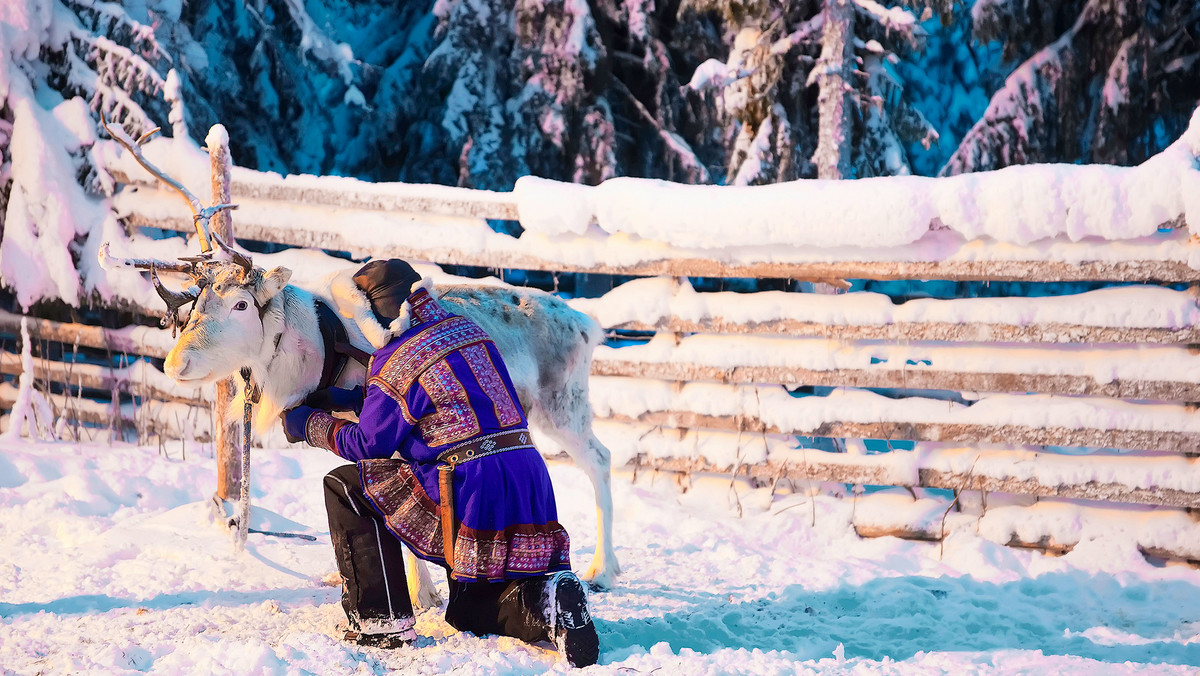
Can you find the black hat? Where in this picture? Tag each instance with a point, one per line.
(387, 283)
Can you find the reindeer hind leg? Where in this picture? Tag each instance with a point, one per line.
(568, 420)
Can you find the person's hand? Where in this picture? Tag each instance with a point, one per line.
(336, 399)
(294, 422)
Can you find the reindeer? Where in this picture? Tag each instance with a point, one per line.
(248, 321)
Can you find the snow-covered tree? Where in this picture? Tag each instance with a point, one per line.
(1101, 81)
(559, 88)
(809, 88)
(62, 63)
(950, 81)
(285, 76)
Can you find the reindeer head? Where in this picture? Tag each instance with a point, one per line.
(225, 328)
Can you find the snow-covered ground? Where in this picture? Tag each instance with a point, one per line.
(109, 564)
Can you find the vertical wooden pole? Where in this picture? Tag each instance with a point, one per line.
(226, 441)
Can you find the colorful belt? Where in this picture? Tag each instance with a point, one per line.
(488, 444)
(479, 447)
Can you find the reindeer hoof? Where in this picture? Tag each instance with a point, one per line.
(599, 581)
(430, 599)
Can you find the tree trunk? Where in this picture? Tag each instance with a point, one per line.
(832, 156)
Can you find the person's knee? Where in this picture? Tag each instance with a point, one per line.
(339, 482)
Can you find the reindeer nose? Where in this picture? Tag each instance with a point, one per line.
(176, 365)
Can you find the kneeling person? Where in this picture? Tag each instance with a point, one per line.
(469, 491)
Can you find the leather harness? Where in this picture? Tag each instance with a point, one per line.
(338, 349)
(479, 447)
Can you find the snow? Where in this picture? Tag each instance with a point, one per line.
(891, 18)
(1019, 205)
(638, 221)
(710, 74)
(778, 409)
(552, 207)
(654, 300)
(110, 564)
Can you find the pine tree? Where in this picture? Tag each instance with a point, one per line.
(809, 88)
(66, 62)
(1102, 81)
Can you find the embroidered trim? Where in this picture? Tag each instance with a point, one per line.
(453, 418)
(407, 511)
(425, 308)
(480, 361)
(411, 515)
(408, 416)
(422, 350)
(524, 550)
(321, 429)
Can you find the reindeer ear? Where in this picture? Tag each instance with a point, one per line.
(273, 282)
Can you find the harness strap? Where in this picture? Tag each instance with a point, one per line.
(361, 356)
(449, 524)
(333, 333)
(479, 447)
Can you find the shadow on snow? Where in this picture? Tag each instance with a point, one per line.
(899, 617)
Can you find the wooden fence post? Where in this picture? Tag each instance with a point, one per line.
(226, 435)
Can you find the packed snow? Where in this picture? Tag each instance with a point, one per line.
(110, 564)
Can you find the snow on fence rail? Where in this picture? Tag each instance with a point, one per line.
(1030, 223)
(1014, 378)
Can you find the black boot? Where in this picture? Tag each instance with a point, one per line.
(570, 623)
(385, 641)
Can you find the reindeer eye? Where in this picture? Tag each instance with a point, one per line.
(241, 305)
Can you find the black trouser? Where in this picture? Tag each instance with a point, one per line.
(507, 608)
(370, 559)
(375, 587)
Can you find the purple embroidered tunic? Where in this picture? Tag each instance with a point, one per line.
(439, 384)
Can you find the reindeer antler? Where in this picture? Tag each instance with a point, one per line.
(173, 299)
(198, 268)
(200, 213)
(111, 262)
(244, 261)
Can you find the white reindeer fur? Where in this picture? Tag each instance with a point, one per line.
(546, 346)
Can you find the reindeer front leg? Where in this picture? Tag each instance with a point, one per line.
(421, 588)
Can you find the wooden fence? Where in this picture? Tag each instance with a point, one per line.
(1029, 396)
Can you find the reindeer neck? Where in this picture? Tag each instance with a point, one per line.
(292, 355)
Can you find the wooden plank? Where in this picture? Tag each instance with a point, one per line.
(447, 200)
(226, 445)
(1045, 544)
(95, 377)
(1167, 271)
(139, 340)
(874, 470)
(916, 378)
(1187, 443)
(1053, 332)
